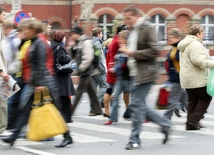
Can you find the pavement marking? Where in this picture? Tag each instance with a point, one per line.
(82, 138)
(34, 151)
(119, 131)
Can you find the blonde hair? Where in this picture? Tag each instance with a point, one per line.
(176, 33)
(8, 24)
(124, 34)
(195, 28)
(107, 42)
(31, 24)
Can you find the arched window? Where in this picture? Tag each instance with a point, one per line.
(56, 26)
(158, 21)
(105, 21)
(208, 24)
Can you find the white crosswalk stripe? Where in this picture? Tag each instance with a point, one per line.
(82, 123)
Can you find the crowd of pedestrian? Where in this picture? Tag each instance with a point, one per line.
(125, 64)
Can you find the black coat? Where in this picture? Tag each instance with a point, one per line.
(64, 79)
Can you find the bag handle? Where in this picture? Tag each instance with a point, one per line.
(41, 97)
(37, 102)
(46, 95)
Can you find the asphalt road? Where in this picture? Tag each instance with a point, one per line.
(91, 137)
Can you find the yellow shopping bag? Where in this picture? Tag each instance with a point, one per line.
(45, 120)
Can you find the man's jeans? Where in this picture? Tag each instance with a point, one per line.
(99, 80)
(139, 111)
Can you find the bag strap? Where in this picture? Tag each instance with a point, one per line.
(46, 95)
(37, 102)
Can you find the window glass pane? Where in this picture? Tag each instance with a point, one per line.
(100, 20)
(211, 19)
(161, 33)
(153, 19)
(161, 19)
(109, 19)
(203, 20)
(211, 33)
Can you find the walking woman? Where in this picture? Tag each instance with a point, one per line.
(66, 88)
(194, 63)
(36, 75)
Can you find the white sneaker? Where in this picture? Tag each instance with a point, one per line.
(5, 133)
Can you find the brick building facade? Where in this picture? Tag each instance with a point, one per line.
(164, 15)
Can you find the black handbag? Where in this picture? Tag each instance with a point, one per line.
(66, 68)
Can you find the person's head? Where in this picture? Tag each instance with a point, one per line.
(2, 14)
(97, 32)
(196, 30)
(47, 27)
(107, 43)
(7, 26)
(120, 28)
(59, 36)
(76, 32)
(30, 28)
(174, 36)
(122, 37)
(131, 15)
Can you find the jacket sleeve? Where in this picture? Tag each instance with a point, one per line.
(87, 55)
(199, 55)
(148, 47)
(62, 56)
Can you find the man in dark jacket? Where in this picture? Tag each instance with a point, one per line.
(142, 52)
(82, 51)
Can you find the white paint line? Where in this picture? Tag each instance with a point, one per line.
(37, 152)
(82, 138)
(119, 131)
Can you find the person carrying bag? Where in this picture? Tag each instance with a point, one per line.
(43, 117)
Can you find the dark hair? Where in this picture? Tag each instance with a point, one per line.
(121, 27)
(96, 31)
(2, 9)
(133, 9)
(58, 35)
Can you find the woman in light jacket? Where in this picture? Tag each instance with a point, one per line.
(194, 63)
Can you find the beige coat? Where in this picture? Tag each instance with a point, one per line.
(194, 62)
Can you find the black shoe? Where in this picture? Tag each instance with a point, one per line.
(177, 113)
(65, 142)
(166, 134)
(192, 127)
(10, 140)
(105, 115)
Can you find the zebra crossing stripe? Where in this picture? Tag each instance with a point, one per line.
(82, 138)
(119, 131)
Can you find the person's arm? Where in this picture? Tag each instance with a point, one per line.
(199, 56)
(5, 76)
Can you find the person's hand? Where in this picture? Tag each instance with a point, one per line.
(112, 70)
(39, 88)
(126, 51)
(5, 77)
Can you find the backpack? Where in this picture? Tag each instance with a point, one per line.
(97, 54)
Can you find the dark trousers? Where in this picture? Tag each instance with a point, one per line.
(85, 85)
(13, 104)
(66, 107)
(198, 102)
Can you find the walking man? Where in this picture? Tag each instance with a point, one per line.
(3, 74)
(142, 52)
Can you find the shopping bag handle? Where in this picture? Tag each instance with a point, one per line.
(46, 95)
(41, 97)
